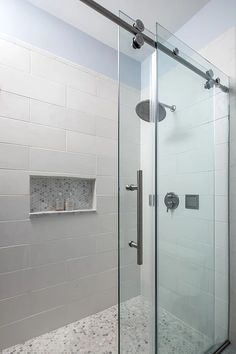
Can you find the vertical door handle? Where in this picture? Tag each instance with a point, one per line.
(139, 188)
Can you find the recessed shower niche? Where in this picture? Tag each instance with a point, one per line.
(60, 194)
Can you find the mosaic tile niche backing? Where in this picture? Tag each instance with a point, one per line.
(45, 190)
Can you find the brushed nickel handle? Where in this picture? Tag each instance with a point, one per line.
(139, 188)
(131, 187)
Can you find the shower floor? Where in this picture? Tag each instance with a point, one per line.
(97, 334)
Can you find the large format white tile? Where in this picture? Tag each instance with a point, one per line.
(24, 133)
(14, 106)
(108, 242)
(80, 247)
(221, 105)
(197, 160)
(129, 96)
(221, 156)
(195, 115)
(14, 157)
(48, 252)
(45, 276)
(221, 234)
(107, 204)
(55, 70)
(30, 86)
(221, 286)
(48, 298)
(107, 185)
(13, 258)
(83, 143)
(14, 309)
(33, 326)
(90, 104)
(106, 147)
(188, 183)
(80, 121)
(14, 208)
(106, 128)
(90, 265)
(13, 284)
(14, 233)
(222, 130)
(47, 114)
(14, 182)
(107, 166)
(62, 162)
(84, 287)
(108, 89)
(82, 225)
(22, 281)
(221, 208)
(14, 55)
(87, 306)
(59, 250)
(221, 182)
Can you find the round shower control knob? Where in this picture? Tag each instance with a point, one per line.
(171, 201)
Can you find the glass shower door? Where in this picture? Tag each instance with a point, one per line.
(188, 168)
(172, 162)
(137, 75)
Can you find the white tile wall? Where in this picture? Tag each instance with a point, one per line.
(57, 71)
(24, 133)
(14, 156)
(90, 103)
(13, 182)
(80, 121)
(14, 106)
(14, 207)
(14, 233)
(61, 119)
(14, 56)
(25, 84)
(62, 162)
(83, 143)
(47, 114)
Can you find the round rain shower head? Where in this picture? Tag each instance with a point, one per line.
(143, 111)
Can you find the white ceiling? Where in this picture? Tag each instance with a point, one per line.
(171, 14)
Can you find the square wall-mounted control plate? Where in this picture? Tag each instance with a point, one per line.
(192, 201)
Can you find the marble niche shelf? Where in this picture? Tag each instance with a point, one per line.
(44, 190)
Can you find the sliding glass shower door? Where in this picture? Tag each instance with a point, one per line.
(137, 103)
(173, 131)
(186, 256)
(191, 170)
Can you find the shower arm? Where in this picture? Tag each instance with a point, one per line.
(171, 108)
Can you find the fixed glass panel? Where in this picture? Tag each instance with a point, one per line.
(192, 209)
(137, 75)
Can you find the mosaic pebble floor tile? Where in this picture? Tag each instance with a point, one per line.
(97, 334)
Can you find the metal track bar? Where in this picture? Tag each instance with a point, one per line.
(108, 14)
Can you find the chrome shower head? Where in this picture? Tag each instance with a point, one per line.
(143, 110)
